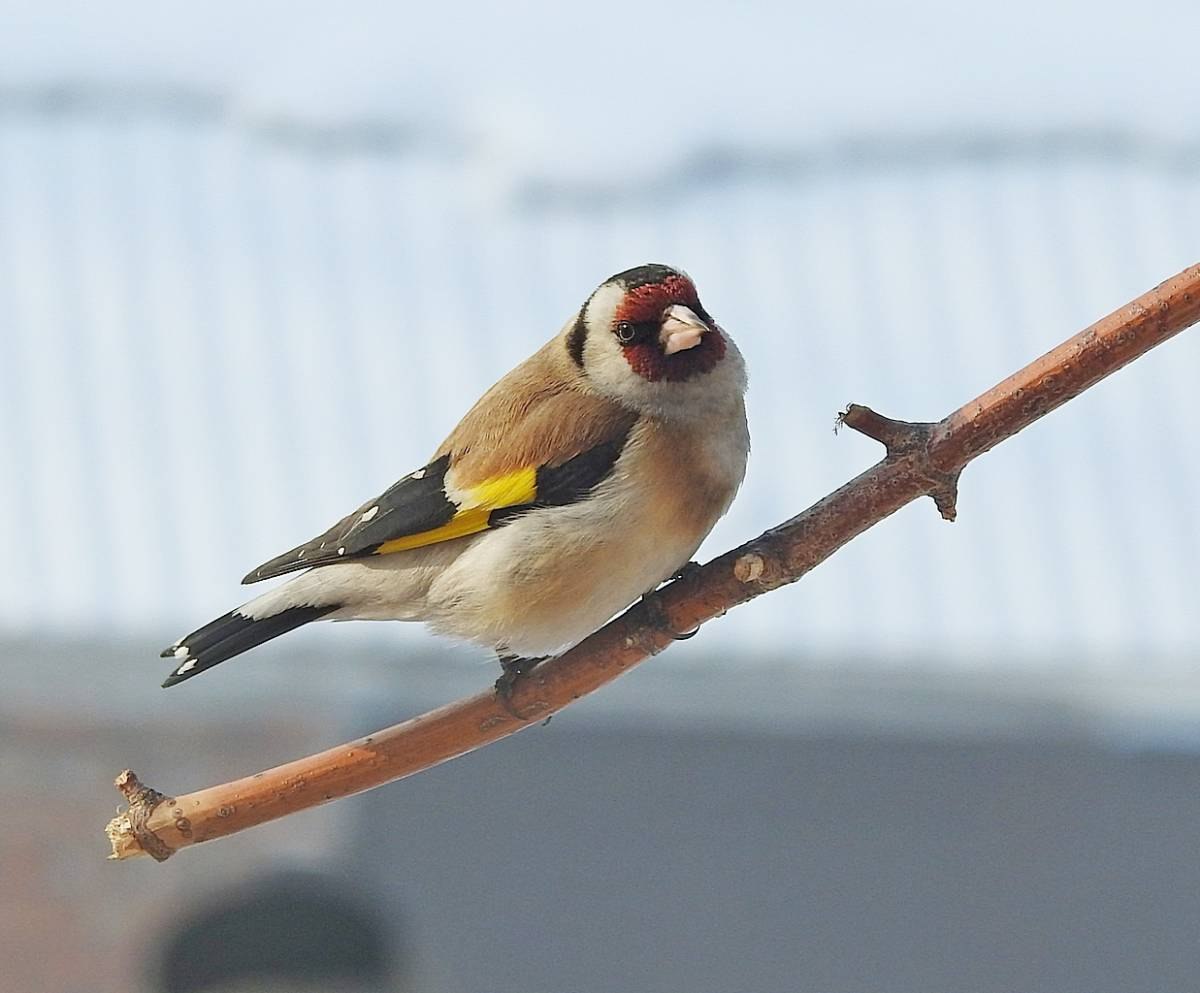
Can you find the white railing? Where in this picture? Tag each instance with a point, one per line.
(220, 334)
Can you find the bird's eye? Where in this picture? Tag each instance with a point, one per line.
(625, 332)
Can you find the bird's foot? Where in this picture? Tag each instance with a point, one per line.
(514, 666)
(650, 603)
(686, 571)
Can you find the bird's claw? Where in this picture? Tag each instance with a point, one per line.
(514, 666)
(653, 607)
(686, 571)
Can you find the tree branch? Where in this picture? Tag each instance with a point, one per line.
(923, 459)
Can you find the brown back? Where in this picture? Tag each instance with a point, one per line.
(541, 413)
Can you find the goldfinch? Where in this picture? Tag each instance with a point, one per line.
(582, 480)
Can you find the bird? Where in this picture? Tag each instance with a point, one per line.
(582, 480)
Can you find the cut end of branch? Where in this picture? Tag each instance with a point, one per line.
(749, 568)
(122, 839)
(127, 832)
(898, 437)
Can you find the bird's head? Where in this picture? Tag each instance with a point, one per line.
(644, 338)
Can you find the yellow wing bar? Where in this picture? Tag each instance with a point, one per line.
(510, 490)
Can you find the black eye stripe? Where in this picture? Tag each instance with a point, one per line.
(577, 338)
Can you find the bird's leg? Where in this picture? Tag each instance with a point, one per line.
(658, 616)
(654, 608)
(686, 571)
(514, 666)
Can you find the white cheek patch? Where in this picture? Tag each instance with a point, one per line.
(602, 307)
(604, 360)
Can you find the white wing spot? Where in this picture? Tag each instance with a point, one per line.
(369, 514)
(180, 651)
(342, 550)
(419, 474)
(187, 666)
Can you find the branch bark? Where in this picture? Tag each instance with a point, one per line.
(923, 459)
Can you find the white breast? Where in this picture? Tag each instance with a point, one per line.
(553, 576)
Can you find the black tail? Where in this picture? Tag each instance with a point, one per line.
(230, 635)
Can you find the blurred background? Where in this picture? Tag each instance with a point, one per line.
(255, 260)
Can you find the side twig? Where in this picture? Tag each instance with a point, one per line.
(923, 459)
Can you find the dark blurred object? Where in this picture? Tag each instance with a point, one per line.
(661, 861)
(285, 931)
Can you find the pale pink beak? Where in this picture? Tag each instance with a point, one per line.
(681, 329)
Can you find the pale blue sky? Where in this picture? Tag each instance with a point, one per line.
(624, 88)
